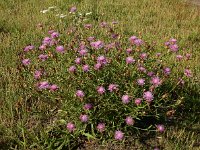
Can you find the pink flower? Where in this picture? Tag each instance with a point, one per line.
(47, 41)
(138, 42)
(103, 24)
(90, 39)
(60, 49)
(28, 48)
(53, 87)
(167, 71)
(88, 106)
(101, 127)
(142, 69)
(129, 51)
(55, 35)
(150, 74)
(188, 56)
(26, 62)
(84, 118)
(72, 69)
(71, 127)
(138, 101)
(173, 41)
(141, 82)
(78, 60)
(179, 57)
(97, 44)
(42, 47)
(132, 39)
(102, 60)
(129, 120)
(97, 66)
(174, 48)
(130, 60)
(113, 87)
(143, 55)
(125, 99)
(83, 52)
(37, 74)
(43, 57)
(86, 68)
(119, 135)
(188, 73)
(155, 81)
(148, 96)
(160, 128)
(73, 9)
(43, 85)
(101, 90)
(80, 93)
(88, 26)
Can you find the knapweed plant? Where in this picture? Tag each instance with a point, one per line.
(105, 85)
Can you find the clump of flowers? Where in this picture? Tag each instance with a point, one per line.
(118, 82)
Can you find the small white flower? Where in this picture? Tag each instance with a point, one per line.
(52, 7)
(44, 11)
(88, 13)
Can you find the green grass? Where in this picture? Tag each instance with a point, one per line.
(23, 121)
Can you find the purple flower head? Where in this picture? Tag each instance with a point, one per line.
(101, 127)
(142, 69)
(51, 31)
(160, 128)
(143, 55)
(28, 48)
(174, 48)
(181, 81)
(43, 57)
(72, 69)
(84, 118)
(119, 135)
(101, 89)
(55, 35)
(141, 82)
(97, 44)
(150, 73)
(129, 120)
(83, 52)
(114, 22)
(97, 66)
(156, 148)
(125, 99)
(60, 49)
(86, 68)
(47, 41)
(91, 39)
(138, 101)
(167, 43)
(71, 127)
(42, 47)
(80, 93)
(148, 96)
(78, 60)
(155, 81)
(26, 62)
(88, 106)
(130, 60)
(129, 51)
(103, 24)
(37, 74)
(158, 54)
(88, 26)
(113, 87)
(53, 42)
(132, 39)
(188, 72)
(102, 60)
(73, 9)
(43, 85)
(138, 42)
(53, 87)
(173, 41)
(167, 70)
(188, 56)
(179, 57)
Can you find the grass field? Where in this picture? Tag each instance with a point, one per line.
(23, 121)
